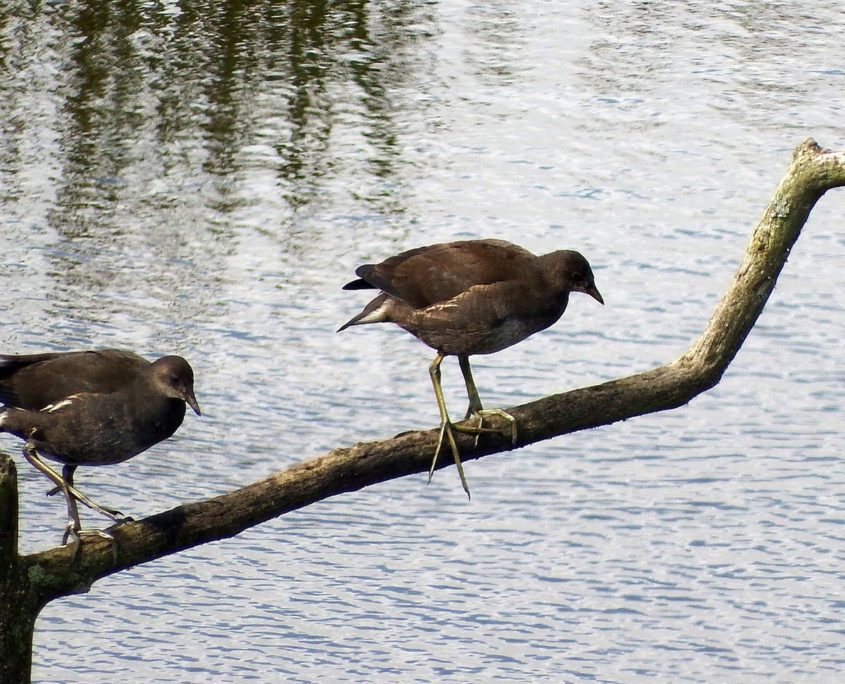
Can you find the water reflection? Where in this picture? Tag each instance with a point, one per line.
(635, 46)
(499, 35)
(151, 98)
(186, 176)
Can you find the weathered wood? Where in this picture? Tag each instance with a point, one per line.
(20, 601)
(30, 581)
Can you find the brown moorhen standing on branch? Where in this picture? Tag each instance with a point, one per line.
(91, 408)
(471, 297)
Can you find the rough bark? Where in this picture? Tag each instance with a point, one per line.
(20, 598)
(29, 582)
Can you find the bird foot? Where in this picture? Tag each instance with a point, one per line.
(73, 537)
(446, 431)
(479, 428)
(103, 534)
(446, 434)
(72, 533)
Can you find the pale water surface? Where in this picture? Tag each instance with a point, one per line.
(202, 178)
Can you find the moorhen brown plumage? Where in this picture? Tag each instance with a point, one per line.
(471, 297)
(91, 408)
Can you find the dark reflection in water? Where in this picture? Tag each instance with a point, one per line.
(151, 98)
(202, 177)
(500, 33)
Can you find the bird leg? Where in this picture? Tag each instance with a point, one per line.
(445, 425)
(476, 410)
(73, 524)
(67, 475)
(472, 392)
(71, 494)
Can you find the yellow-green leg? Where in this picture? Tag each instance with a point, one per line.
(475, 408)
(67, 476)
(445, 425)
(71, 494)
(472, 392)
(73, 523)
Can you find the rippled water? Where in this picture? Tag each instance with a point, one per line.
(202, 180)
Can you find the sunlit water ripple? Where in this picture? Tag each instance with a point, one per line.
(703, 544)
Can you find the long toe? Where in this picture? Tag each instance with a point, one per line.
(446, 432)
(479, 428)
(112, 513)
(443, 428)
(103, 534)
(501, 413)
(115, 514)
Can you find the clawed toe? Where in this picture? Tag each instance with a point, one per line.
(115, 514)
(123, 521)
(479, 428)
(103, 534)
(505, 416)
(446, 431)
(73, 537)
(112, 513)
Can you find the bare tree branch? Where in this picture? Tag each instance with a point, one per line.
(812, 172)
